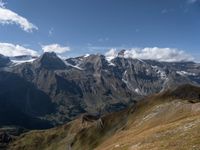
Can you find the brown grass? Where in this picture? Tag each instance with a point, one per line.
(164, 121)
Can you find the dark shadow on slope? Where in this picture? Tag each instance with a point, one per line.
(185, 92)
(21, 103)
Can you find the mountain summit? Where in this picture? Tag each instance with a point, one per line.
(49, 60)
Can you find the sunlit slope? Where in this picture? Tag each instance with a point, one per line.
(170, 120)
(171, 125)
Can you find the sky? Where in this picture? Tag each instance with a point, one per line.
(160, 29)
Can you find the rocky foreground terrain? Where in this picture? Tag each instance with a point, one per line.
(39, 93)
(168, 120)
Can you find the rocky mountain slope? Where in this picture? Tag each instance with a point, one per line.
(60, 90)
(4, 61)
(169, 120)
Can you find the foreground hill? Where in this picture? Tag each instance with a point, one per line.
(169, 120)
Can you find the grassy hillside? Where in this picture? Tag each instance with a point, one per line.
(170, 120)
(56, 138)
(171, 125)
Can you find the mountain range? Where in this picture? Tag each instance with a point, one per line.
(41, 92)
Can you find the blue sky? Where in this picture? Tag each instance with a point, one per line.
(94, 26)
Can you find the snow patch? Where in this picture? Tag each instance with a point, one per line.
(17, 62)
(184, 73)
(141, 60)
(137, 91)
(86, 55)
(111, 64)
(74, 66)
(123, 80)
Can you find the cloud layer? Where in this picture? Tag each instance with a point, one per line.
(55, 48)
(9, 17)
(8, 49)
(154, 53)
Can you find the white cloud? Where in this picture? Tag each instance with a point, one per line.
(164, 11)
(55, 48)
(51, 31)
(167, 10)
(155, 53)
(9, 17)
(192, 1)
(2, 4)
(111, 54)
(160, 54)
(103, 39)
(9, 49)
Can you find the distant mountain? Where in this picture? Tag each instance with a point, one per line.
(168, 120)
(91, 83)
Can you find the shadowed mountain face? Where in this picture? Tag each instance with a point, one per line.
(21, 103)
(4, 61)
(158, 121)
(50, 61)
(60, 90)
